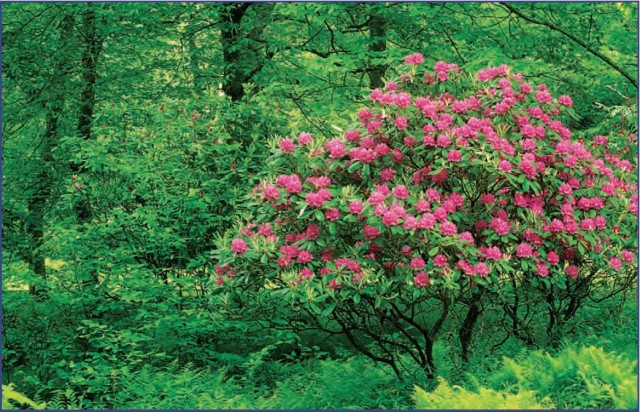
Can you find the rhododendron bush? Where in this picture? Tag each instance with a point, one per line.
(451, 193)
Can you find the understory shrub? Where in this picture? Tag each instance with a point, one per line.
(451, 195)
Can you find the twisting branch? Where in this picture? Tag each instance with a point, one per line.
(584, 45)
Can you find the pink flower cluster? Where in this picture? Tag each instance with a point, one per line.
(490, 178)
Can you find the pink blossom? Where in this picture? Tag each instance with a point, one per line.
(417, 263)
(528, 169)
(390, 219)
(352, 135)
(271, 192)
(314, 199)
(410, 223)
(336, 148)
(265, 229)
(312, 232)
(587, 224)
(628, 256)
(553, 258)
(306, 273)
(600, 222)
(505, 166)
(304, 257)
(291, 183)
(324, 194)
(542, 269)
(468, 237)
(355, 207)
(332, 214)
(440, 260)
(400, 123)
(565, 189)
(433, 195)
(524, 250)
(482, 269)
(415, 58)
(556, 226)
(305, 138)
(529, 144)
(493, 253)
(572, 271)
(441, 214)
(565, 100)
(376, 198)
(423, 206)
(427, 221)
(443, 141)
(500, 226)
(239, 246)
(421, 280)
(570, 161)
(487, 199)
(440, 177)
(615, 263)
(401, 192)
(544, 97)
(333, 285)
(448, 228)
(454, 156)
(287, 145)
(371, 232)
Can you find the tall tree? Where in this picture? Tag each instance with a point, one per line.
(39, 201)
(244, 49)
(377, 46)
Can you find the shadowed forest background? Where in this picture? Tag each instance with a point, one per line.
(133, 134)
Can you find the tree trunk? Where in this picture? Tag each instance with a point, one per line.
(466, 331)
(93, 46)
(39, 201)
(199, 83)
(243, 59)
(430, 367)
(233, 76)
(377, 47)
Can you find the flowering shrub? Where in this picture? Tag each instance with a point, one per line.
(448, 187)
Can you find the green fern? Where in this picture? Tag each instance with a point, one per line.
(12, 399)
(456, 397)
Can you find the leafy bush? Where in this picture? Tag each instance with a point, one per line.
(450, 192)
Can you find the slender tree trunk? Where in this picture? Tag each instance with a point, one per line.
(377, 46)
(466, 331)
(243, 59)
(233, 76)
(199, 83)
(430, 367)
(40, 200)
(93, 46)
(84, 130)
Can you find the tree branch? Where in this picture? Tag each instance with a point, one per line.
(584, 45)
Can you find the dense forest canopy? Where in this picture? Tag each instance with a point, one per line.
(135, 136)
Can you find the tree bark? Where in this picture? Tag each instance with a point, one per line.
(377, 46)
(466, 331)
(39, 201)
(93, 47)
(242, 60)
